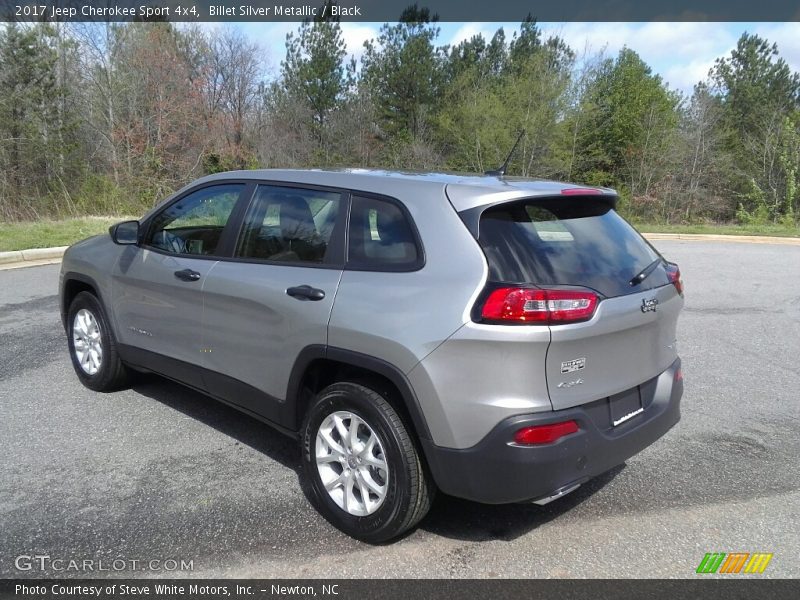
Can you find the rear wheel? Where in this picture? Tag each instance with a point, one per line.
(92, 346)
(366, 474)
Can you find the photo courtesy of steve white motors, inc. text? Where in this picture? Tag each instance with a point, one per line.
(114, 590)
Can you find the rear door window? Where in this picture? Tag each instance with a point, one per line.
(289, 225)
(569, 242)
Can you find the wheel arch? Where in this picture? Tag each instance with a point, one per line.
(318, 366)
(73, 284)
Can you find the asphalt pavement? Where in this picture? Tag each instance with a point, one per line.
(159, 472)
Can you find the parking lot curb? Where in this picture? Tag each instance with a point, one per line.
(717, 237)
(10, 257)
(32, 257)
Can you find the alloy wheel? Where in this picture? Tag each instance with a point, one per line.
(87, 341)
(351, 463)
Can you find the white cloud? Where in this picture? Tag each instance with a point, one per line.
(693, 41)
(681, 53)
(355, 34)
(591, 38)
(787, 36)
(651, 40)
(272, 36)
(469, 30)
(685, 76)
(269, 34)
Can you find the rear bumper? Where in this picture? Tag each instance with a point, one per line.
(495, 471)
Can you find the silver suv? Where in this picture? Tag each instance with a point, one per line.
(498, 339)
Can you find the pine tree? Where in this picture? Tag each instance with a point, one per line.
(314, 72)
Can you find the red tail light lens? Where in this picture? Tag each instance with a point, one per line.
(674, 274)
(541, 307)
(544, 434)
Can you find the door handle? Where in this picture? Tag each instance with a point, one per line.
(305, 292)
(187, 275)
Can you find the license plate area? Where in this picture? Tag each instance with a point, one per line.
(625, 406)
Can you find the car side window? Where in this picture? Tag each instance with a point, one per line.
(380, 236)
(288, 224)
(194, 224)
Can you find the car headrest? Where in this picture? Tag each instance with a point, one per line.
(297, 222)
(392, 227)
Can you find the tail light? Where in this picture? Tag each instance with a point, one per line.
(544, 434)
(539, 307)
(674, 274)
(581, 192)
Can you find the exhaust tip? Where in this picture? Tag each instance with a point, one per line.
(555, 496)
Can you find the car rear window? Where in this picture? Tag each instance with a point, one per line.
(571, 242)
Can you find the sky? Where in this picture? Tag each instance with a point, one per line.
(682, 53)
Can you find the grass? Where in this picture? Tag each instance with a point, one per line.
(46, 234)
(725, 229)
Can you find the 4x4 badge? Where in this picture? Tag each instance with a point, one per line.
(569, 384)
(649, 304)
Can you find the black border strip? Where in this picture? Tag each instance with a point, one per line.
(698, 586)
(390, 10)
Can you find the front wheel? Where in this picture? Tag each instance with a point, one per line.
(92, 346)
(366, 474)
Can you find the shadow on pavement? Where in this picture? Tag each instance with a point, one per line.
(225, 419)
(449, 517)
(470, 521)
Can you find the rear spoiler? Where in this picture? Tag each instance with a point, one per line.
(472, 216)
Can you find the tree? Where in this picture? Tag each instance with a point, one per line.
(160, 139)
(486, 109)
(755, 83)
(524, 44)
(237, 70)
(314, 71)
(632, 116)
(758, 92)
(32, 124)
(464, 56)
(402, 71)
(699, 188)
(106, 118)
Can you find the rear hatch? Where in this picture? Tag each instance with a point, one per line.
(571, 246)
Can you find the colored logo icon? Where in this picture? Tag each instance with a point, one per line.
(734, 562)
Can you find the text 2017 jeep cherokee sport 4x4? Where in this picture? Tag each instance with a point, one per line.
(498, 339)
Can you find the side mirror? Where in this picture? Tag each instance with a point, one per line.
(125, 233)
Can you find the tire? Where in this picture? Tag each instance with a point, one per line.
(407, 489)
(92, 346)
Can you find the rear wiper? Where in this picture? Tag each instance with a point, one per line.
(643, 274)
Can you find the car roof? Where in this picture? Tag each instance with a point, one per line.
(464, 191)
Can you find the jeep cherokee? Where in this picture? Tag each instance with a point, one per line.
(498, 339)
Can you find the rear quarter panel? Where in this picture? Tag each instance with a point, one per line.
(402, 317)
(478, 377)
